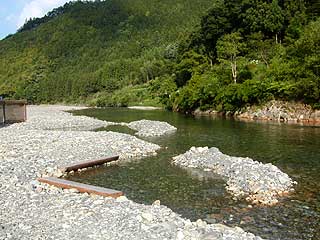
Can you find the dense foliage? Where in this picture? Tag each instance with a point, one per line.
(247, 52)
(87, 47)
(120, 52)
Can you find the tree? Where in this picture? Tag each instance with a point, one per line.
(214, 25)
(260, 49)
(229, 48)
(265, 17)
(190, 64)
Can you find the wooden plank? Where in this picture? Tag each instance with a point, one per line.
(83, 188)
(88, 164)
(13, 102)
(3, 114)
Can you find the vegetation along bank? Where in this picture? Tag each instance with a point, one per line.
(184, 55)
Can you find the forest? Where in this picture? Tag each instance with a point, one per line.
(183, 55)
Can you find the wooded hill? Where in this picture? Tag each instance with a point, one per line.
(86, 47)
(221, 55)
(249, 52)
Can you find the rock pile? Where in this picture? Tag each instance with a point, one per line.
(148, 128)
(257, 182)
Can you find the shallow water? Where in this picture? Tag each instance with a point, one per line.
(196, 194)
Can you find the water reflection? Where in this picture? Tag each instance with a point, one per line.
(195, 194)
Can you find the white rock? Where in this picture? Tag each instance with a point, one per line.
(147, 216)
(122, 199)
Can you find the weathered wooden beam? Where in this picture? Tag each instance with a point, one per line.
(83, 188)
(13, 102)
(88, 164)
(13, 111)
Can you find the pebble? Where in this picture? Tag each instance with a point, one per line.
(147, 216)
(122, 199)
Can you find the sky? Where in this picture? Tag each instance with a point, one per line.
(13, 13)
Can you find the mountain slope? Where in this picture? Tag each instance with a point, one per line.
(86, 47)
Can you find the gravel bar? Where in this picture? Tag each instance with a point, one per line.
(148, 128)
(47, 117)
(259, 183)
(31, 210)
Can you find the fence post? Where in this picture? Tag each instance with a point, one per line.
(4, 112)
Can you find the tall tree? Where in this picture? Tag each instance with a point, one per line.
(229, 48)
(265, 17)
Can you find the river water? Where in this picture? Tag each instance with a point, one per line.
(195, 194)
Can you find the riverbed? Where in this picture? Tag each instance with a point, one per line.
(197, 194)
(51, 139)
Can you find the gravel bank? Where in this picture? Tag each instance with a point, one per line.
(30, 210)
(146, 108)
(257, 182)
(148, 128)
(49, 117)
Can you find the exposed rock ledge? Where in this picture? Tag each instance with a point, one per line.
(281, 111)
(259, 183)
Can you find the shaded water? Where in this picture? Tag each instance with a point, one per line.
(196, 194)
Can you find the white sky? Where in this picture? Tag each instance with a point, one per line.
(37, 8)
(14, 13)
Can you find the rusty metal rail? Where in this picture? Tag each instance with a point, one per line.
(83, 188)
(88, 164)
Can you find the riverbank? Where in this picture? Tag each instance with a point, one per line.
(52, 138)
(273, 111)
(280, 111)
(146, 108)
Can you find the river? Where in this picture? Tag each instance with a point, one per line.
(195, 194)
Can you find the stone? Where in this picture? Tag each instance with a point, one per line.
(180, 235)
(212, 236)
(147, 216)
(156, 203)
(122, 199)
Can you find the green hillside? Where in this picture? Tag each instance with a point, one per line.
(183, 54)
(247, 53)
(87, 47)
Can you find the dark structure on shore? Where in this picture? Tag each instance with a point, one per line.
(13, 111)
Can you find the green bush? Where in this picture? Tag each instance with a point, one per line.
(128, 96)
(164, 89)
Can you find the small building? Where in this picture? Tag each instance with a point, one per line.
(13, 111)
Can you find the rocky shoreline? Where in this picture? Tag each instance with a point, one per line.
(280, 111)
(274, 111)
(257, 182)
(52, 138)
